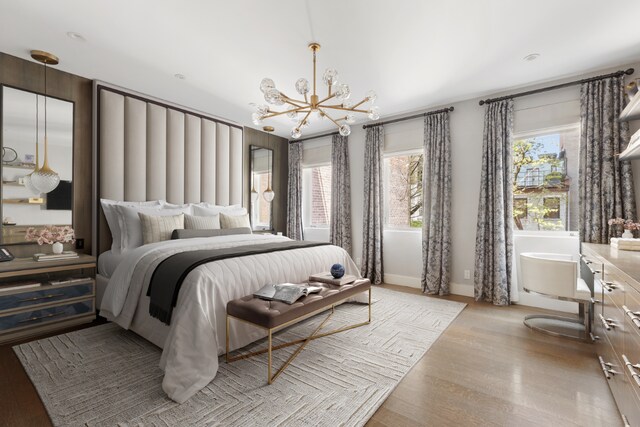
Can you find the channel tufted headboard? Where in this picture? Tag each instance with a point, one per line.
(147, 149)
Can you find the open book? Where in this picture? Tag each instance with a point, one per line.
(285, 292)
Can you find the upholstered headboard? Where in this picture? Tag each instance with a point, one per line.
(147, 149)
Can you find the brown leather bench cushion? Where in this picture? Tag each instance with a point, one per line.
(271, 314)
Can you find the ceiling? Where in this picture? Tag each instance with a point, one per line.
(414, 53)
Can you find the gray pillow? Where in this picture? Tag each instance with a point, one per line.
(188, 234)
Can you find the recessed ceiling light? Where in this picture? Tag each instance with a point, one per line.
(531, 57)
(76, 36)
(179, 76)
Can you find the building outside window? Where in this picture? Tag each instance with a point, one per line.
(545, 186)
(316, 195)
(403, 190)
(261, 212)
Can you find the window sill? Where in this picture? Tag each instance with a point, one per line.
(403, 230)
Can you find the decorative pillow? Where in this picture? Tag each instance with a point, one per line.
(193, 222)
(188, 234)
(234, 221)
(215, 210)
(159, 228)
(131, 226)
(111, 215)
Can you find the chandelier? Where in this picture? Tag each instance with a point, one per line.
(300, 111)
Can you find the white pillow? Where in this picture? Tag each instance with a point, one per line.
(131, 227)
(234, 210)
(194, 222)
(234, 221)
(111, 214)
(157, 228)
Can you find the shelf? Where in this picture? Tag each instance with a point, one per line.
(12, 184)
(19, 166)
(633, 149)
(632, 110)
(31, 201)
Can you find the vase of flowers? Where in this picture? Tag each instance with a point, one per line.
(52, 235)
(631, 229)
(616, 226)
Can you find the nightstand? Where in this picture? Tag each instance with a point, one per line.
(42, 296)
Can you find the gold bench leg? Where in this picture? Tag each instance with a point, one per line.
(303, 341)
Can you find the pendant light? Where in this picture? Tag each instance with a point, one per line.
(254, 193)
(268, 194)
(45, 179)
(27, 179)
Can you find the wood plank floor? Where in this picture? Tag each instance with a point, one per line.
(486, 369)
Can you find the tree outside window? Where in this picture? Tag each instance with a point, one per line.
(403, 190)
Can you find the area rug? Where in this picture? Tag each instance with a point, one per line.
(105, 375)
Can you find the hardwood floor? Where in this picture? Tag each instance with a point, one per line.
(486, 369)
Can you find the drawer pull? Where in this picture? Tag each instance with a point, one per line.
(609, 286)
(633, 315)
(46, 316)
(607, 323)
(632, 369)
(606, 368)
(594, 338)
(42, 297)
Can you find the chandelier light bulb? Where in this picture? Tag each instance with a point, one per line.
(330, 76)
(266, 84)
(274, 97)
(256, 118)
(374, 113)
(372, 96)
(343, 92)
(302, 86)
(295, 133)
(293, 115)
(345, 130)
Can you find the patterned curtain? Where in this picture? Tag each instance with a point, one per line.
(436, 205)
(294, 196)
(494, 240)
(373, 216)
(340, 227)
(606, 184)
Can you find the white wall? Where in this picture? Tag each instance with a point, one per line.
(402, 250)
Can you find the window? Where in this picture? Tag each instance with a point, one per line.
(551, 207)
(545, 186)
(316, 196)
(403, 190)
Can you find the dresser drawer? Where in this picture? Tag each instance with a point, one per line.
(44, 295)
(611, 322)
(613, 369)
(46, 314)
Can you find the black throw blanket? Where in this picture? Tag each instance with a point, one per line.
(168, 276)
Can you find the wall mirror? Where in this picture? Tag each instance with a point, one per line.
(261, 184)
(29, 198)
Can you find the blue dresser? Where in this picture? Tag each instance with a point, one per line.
(33, 303)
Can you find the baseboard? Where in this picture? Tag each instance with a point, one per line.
(414, 282)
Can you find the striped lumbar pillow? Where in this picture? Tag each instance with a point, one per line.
(234, 221)
(195, 222)
(158, 228)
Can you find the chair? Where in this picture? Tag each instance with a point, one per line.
(556, 276)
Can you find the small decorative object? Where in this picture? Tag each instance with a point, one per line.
(630, 229)
(617, 225)
(29, 158)
(7, 220)
(337, 271)
(52, 235)
(9, 155)
(631, 89)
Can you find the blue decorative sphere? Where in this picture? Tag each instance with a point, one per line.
(337, 271)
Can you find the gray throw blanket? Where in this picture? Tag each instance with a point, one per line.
(168, 276)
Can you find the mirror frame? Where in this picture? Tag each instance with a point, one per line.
(73, 157)
(253, 147)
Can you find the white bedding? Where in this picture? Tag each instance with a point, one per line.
(196, 336)
(108, 262)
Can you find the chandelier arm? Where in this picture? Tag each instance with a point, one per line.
(329, 117)
(290, 100)
(295, 104)
(303, 120)
(306, 98)
(276, 113)
(360, 103)
(326, 99)
(340, 107)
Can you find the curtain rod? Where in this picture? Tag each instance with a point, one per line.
(429, 113)
(560, 86)
(295, 141)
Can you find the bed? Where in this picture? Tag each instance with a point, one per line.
(196, 336)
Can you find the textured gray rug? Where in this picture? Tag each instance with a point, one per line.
(106, 376)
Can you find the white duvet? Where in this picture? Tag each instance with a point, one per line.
(196, 336)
